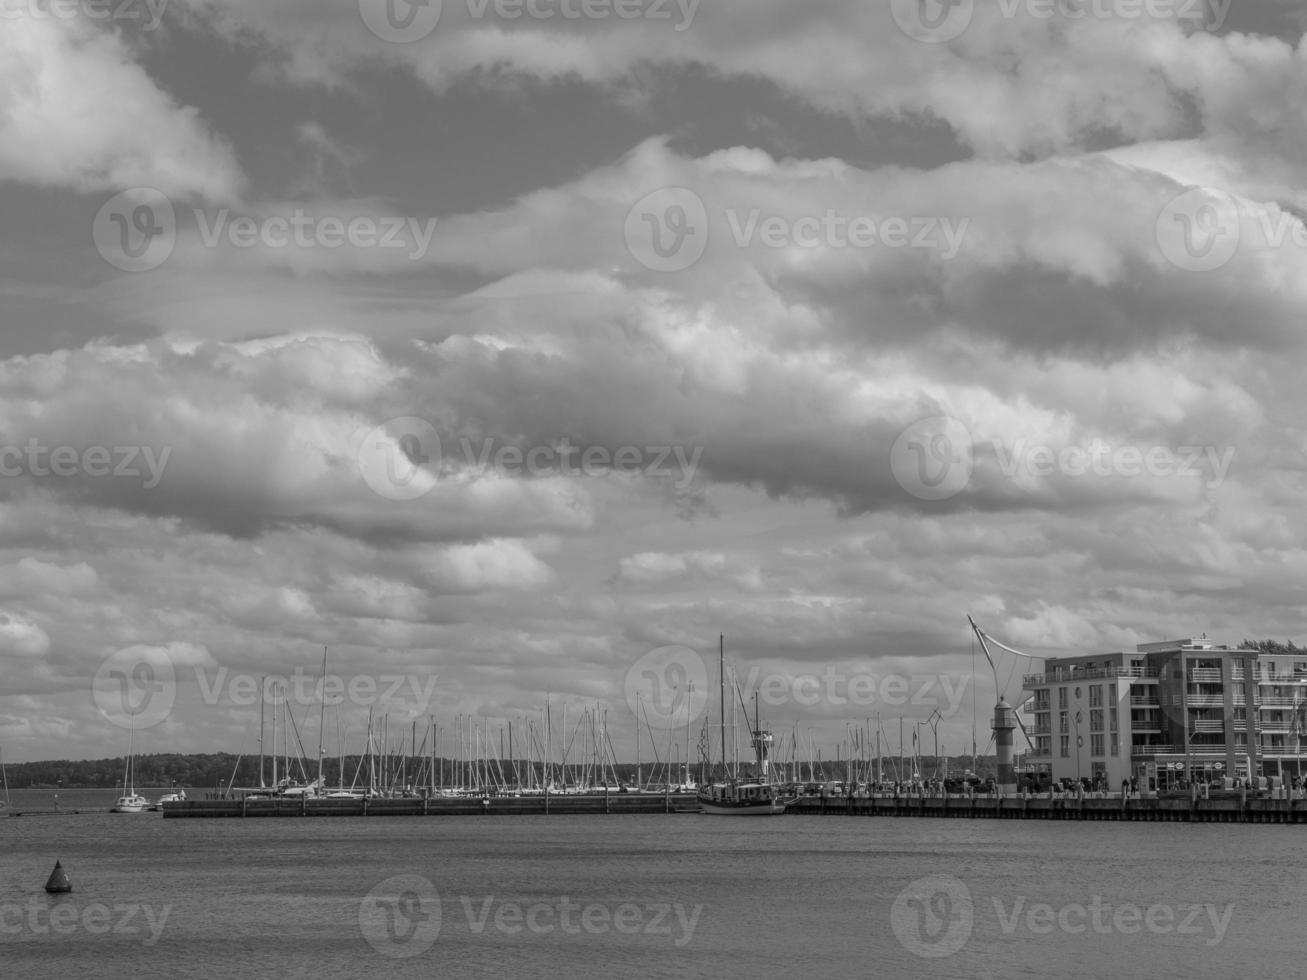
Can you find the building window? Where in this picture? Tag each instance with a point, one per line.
(1115, 742)
(1095, 695)
(1112, 719)
(1095, 744)
(1096, 721)
(1065, 724)
(1066, 746)
(1061, 698)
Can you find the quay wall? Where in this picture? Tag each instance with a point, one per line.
(1227, 809)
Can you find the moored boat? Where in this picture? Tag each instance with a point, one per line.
(130, 801)
(736, 795)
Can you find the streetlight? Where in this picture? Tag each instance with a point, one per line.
(1079, 744)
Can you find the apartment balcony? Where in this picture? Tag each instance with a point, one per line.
(1279, 701)
(1039, 729)
(1205, 675)
(1267, 678)
(1207, 726)
(1276, 727)
(1283, 750)
(1138, 702)
(1142, 750)
(1076, 676)
(1206, 701)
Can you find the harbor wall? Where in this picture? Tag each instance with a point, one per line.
(554, 803)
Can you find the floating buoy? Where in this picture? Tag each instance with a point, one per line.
(58, 883)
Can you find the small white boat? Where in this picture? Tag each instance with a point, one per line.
(169, 798)
(130, 803)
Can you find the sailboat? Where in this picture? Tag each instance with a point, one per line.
(5, 779)
(735, 796)
(130, 801)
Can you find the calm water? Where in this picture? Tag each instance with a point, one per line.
(664, 896)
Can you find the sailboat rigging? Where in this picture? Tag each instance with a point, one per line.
(733, 795)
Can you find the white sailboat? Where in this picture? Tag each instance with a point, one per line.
(733, 796)
(130, 801)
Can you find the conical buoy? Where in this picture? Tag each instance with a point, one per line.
(58, 882)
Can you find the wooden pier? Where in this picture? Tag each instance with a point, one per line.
(1226, 809)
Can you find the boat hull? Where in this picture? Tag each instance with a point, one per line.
(772, 808)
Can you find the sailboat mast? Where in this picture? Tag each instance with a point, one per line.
(322, 716)
(721, 663)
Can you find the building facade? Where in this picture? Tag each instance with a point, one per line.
(1169, 712)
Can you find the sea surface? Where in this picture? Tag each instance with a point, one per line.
(679, 895)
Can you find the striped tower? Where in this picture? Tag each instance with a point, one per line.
(1004, 723)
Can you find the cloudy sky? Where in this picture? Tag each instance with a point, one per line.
(532, 346)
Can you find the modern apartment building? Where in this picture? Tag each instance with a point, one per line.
(1170, 710)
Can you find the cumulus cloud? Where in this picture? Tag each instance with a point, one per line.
(79, 112)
